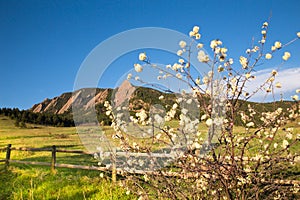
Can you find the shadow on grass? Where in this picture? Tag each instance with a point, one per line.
(36, 182)
(6, 178)
(61, 158)
(67, 146)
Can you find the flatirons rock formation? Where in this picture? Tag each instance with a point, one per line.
(86, 98)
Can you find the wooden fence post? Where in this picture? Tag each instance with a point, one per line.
(8, 151)
(53, 159)
(114, 170)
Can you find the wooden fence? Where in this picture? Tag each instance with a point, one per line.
(53, 164)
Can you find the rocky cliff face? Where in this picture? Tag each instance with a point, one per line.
(82, 103)
(123, 93)
(85, 98)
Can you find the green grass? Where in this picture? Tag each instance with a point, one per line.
(37, 182)
(37, 136)
(26, 182)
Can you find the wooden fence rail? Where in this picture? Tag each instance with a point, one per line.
(53, 164)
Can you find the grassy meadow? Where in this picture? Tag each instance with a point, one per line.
(37, 182)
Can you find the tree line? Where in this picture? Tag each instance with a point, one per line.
(25, 116)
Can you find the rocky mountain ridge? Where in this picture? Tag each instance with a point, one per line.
(63, 103)
(85, 99)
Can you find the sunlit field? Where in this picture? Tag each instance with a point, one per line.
(38, 136)
(37, 182)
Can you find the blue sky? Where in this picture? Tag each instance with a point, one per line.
(43, 43)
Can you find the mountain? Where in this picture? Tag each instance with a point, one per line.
(81, 104)
(87, 98)
(63, 103)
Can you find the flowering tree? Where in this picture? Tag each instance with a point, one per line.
(216, 144)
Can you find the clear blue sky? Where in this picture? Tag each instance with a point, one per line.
(43, 43)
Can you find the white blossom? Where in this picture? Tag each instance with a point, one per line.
(271, 79)
(182, 44)
(181, 61)
(255, 49)
(203, 117)
(248, 75)
(179, 76)
(277, 45)
(295, 97)
(268, 56)
(250, 124)
(205, 80)
(274, 72)
(197, 36)
(189, 101)
(199, 45)
(220, 68)
(286, 56)
(158, 136)
(244, 62)
(197, 81)
(289, 135)
(209, 122)
(278, 85)
(285, 144)
(273, 48)
(196, 29)
(202, 57)
(184, 111)
(196, 145)
(175, 105)
(138, 68)
(142, 57)
(265, 24)
(142, 115)
(223, 50)
(213, 44)
(177, 66)
(179, 52)
(191, 33)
